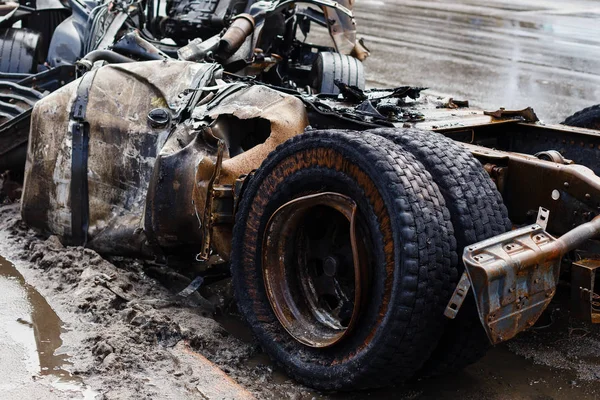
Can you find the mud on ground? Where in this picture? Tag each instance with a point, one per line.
(129, 336)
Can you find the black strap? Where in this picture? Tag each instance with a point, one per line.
(80, 131)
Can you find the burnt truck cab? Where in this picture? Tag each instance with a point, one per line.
(338, 213)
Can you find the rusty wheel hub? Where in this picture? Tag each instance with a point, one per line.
(314, 267)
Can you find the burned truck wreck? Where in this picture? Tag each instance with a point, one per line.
(372, 236)
(45, 45)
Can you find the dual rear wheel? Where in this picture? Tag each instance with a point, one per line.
(345, 255)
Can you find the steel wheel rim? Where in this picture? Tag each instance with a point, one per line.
(315, 286)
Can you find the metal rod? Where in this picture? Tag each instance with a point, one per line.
(577, 236)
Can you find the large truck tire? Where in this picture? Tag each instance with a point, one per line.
(329, 67)
(288, 235)
(478, 213)
(20, 51)
(587, 118)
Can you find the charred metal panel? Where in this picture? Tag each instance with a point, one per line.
(514, 278)
(251, 121)
(148, 182)
(258, 108)
(170, 213)
(122, 146)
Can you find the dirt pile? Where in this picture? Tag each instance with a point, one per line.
(128, 336)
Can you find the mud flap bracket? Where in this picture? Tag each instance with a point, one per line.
(514, 277)
(460, 293)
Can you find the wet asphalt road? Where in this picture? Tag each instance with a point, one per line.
(31, 358)
(495, 53)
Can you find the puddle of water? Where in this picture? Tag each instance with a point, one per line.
(30, 337)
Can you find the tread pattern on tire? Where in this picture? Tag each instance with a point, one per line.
(419, 295)
(478, 212)
(587, 118)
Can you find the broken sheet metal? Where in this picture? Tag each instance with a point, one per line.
(342, 28)
(406, 106)
(525, 115)
(375, 106)
(147, 180)
(514, 275)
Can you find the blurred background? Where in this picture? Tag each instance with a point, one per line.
(495, 53)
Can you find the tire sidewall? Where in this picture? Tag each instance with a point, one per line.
(341, 361)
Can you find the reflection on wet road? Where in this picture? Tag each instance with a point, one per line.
(30, 342)
(539, 53)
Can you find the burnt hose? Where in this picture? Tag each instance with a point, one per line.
(86, 63)
(106, 55)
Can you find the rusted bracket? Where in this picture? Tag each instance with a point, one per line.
(239, 187)
(206, 221)
(585, 281)
(458, 298)
(514, 278)
(527, 115)
(464, 284)
(514, 275)
(542, 217)
(218, 208)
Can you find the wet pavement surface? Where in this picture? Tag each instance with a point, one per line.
(498, 53)
(31, 362)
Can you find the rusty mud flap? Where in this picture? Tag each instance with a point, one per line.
(514, 276)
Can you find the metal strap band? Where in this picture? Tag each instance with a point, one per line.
(79, 162)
